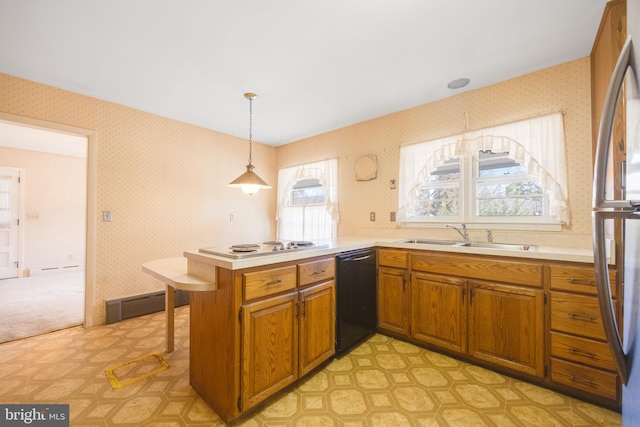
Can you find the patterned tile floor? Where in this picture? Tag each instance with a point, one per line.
(383, 382)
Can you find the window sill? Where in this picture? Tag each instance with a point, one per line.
(556, 226)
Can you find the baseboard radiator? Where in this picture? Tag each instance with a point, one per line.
(139, 305)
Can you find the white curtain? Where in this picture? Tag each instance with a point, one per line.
(309, 222)
(537, 144)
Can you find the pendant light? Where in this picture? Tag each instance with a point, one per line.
(249, 182)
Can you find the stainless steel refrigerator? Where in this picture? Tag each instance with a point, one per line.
(624, 340)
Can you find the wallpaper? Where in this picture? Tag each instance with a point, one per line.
(564, 88)
(165, 181)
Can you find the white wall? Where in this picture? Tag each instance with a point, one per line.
(54, 224)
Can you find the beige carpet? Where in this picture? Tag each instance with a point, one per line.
(36, 305)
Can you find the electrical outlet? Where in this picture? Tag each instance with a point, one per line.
(106, 216)
(392, 184)
(392, 216)
(232, 216)
(372, 216)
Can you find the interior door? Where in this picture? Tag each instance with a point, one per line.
(9, 224)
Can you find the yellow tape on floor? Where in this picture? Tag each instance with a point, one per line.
(117, 383)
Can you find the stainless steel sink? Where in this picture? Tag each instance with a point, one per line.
(506, 246)
(430, 242)
(486, 245)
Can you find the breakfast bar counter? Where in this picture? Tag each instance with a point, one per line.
(174, 273)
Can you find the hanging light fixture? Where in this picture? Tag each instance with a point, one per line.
(249, 182)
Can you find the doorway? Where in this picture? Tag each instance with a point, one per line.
(43, 227)
(10, 202)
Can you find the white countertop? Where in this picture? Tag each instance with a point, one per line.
(344, 244)
(173, 272)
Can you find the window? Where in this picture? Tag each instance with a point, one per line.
(515, 173)
(307, 201)
(439, 196)
(307, 192)
(503, 188)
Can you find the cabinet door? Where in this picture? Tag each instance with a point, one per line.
(269, 347)
(317, 325)
(393, 300)
(506, 326)
(610, 38)
(607, 46)
(439, 311)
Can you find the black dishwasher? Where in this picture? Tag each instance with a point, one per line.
(356, 317)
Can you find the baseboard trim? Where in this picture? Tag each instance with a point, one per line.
(139, 305)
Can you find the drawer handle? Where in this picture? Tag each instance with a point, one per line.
(320, 272)
(274, 282)
(582, 352)
(575, 316)
(582, 281)
(581, 380)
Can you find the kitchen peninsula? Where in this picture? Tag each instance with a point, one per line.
(271, 319)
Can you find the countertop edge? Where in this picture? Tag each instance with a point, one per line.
(173, 272)
(349, 244)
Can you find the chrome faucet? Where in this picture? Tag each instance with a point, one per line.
(463, 233)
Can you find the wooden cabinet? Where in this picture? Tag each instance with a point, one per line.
(268, 282)
(579, 354)
(537, 318)
(607, 46)
(393, 300)
(270, 347)
(286, 336)
(439, 311)
(316, 271)
(489, 309)
(261, 330)
(393, 291)
(317, 325)
(606, 49)
(506, 326)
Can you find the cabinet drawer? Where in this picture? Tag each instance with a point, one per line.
(578, 279)
(316, 271)
(391, 258)
(591, 380)
(268, 282)
(582, 350)
(576, 314)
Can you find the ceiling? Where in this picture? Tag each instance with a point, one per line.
(35, 139)
(315, 65)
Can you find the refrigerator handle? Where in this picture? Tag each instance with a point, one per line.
(605, 131)
(603, 288)
(609, 209)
